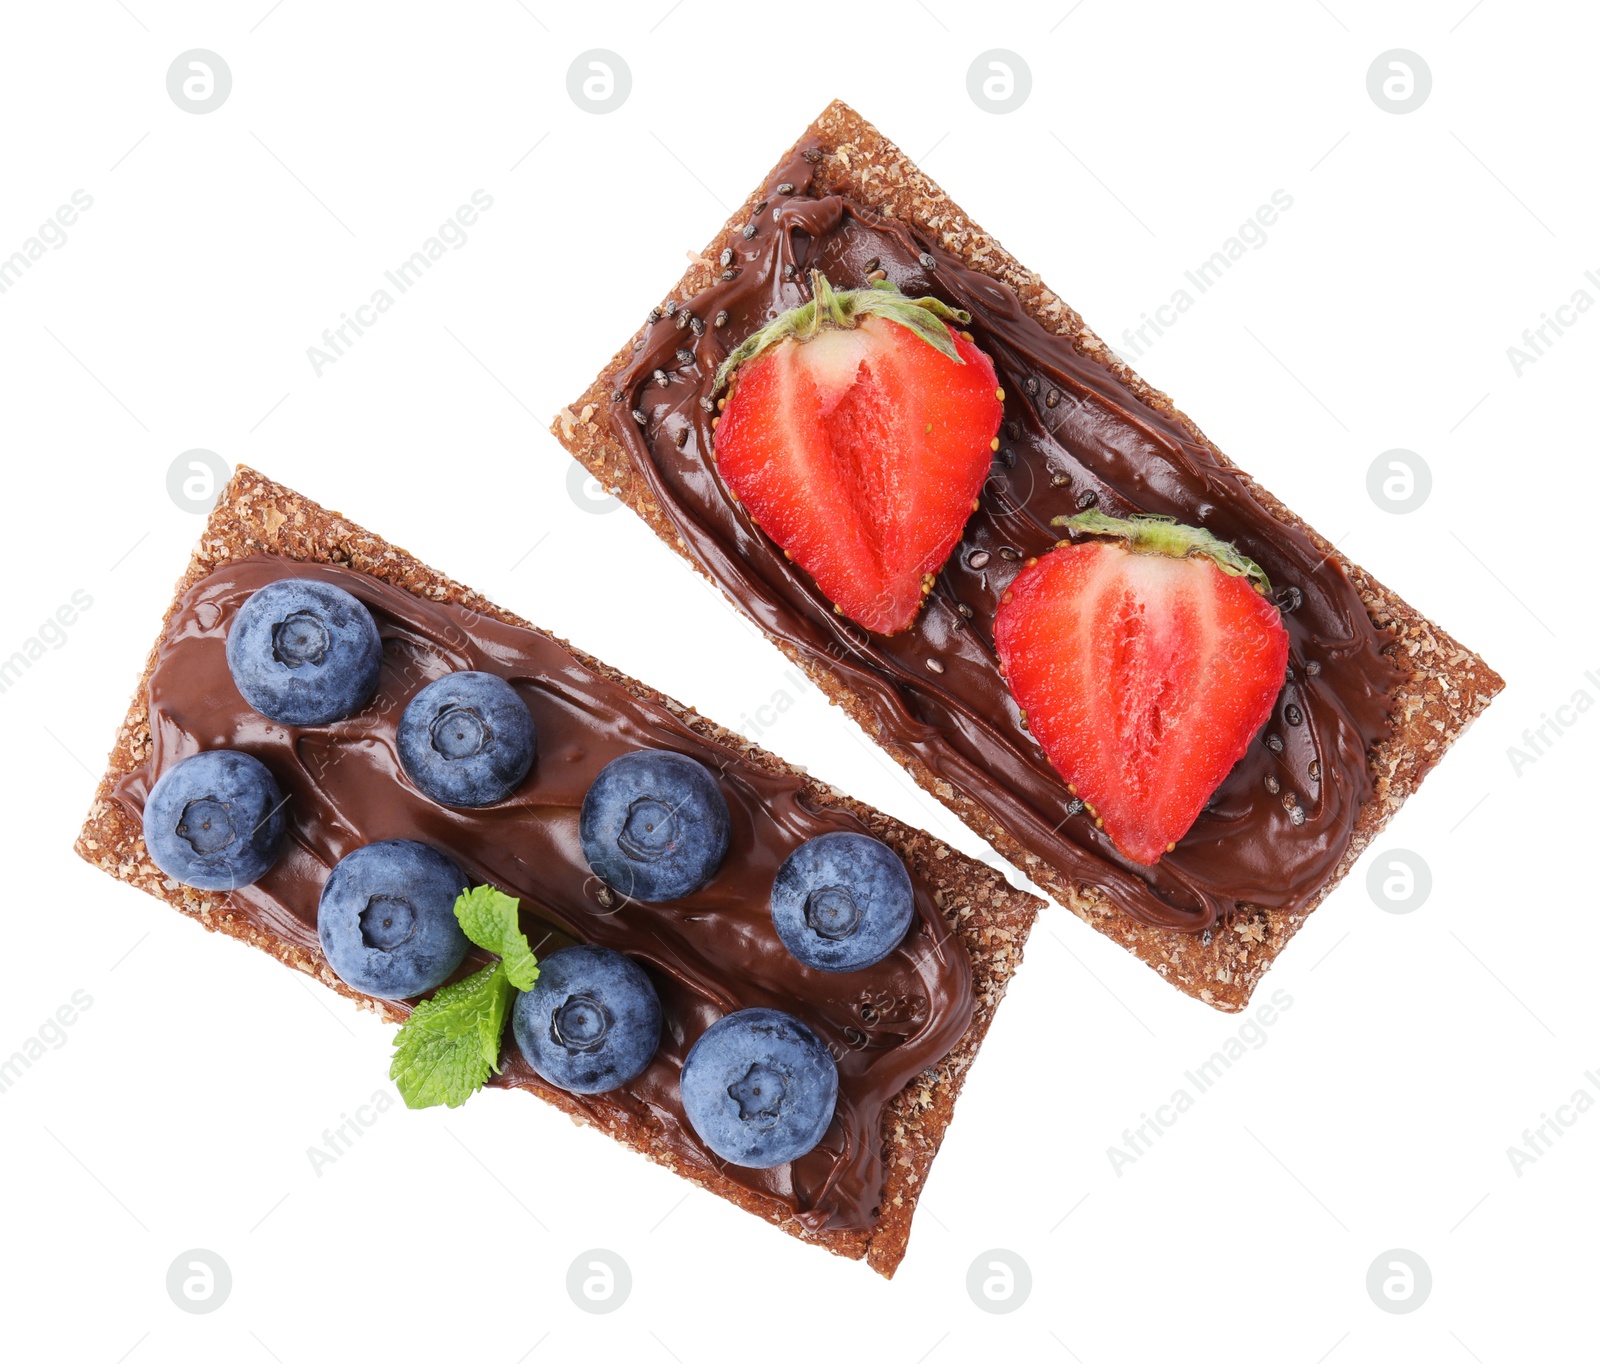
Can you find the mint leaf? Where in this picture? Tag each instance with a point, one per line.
(446, 1049)
(444, 1052)
(474, 1007)
(489, 918)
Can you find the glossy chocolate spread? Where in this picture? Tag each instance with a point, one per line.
(1073, 436)
(708, 954)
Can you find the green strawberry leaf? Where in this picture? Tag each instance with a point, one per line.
(830, 307)
(1150, 533)
(489, 918)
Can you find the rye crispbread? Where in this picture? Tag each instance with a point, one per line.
(1449, 686)
(988, 917)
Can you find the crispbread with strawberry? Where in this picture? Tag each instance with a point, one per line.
(1354, 729)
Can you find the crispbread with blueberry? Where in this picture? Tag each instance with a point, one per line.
(261, 532)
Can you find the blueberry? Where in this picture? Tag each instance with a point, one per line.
(759, 1088)
(387, 919)
(591, 1022)
(467, 739)
(215, 821)
(304, 652)
(842, 901)
(654, 825)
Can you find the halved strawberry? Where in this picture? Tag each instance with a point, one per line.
(859, 432)
(1144, 667)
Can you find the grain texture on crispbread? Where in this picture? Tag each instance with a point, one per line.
(988, 917)
(1448, 688)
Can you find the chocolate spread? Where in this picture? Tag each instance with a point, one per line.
(1074, 435)
(707, 954)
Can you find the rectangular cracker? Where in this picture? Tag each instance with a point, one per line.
(989, 918)
(1449, 687)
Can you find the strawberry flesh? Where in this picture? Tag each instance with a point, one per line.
(1144, 677)
(860, 452)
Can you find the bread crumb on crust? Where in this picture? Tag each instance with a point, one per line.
(1449, 684)
(987, 915)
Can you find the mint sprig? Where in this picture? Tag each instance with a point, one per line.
(444, 1052)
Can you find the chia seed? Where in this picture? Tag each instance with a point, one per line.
(934, 666)
(726, 258)
(721, 319)
(978, 558)
(749, 231)
(927, 261)
(1275, 743)
(1052, 397)
(1313, 668)
(639, 416)
(785, 188)
(1030, 386)
(1293, 715)
(1088, 500)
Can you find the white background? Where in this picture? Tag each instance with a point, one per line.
(1379, 1109)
